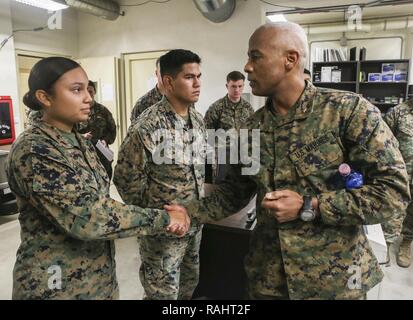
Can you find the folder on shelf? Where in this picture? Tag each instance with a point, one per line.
(353, 54)
(363, 54)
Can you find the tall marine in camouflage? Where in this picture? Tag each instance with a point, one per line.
(231, 111)
(400, 121)
(305, 134)
(67, 218)
(227, 113)
(147, 175)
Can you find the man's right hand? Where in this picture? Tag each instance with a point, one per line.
(88, 135)
(179, 219)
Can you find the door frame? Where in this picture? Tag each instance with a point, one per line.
(125, 83)
(30, 54)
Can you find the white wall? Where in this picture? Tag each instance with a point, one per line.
(8, 74)
(15, 16)
(177, 24)
(62, 41)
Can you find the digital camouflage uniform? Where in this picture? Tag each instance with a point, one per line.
(170, 265)
(225, 114)
(34, 116)
(302, 151)
(102, 126)
(144, 102)
(400, 121)
(67, 218)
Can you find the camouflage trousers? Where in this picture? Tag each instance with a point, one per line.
(407, 229)
(393, 227)
(170, 266)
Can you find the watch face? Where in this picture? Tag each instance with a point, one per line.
(307, 215)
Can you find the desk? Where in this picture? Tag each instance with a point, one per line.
(224, 246)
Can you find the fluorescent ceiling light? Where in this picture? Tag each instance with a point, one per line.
(51, 5)
(276, 17)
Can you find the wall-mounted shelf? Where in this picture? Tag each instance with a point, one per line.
(376, 92)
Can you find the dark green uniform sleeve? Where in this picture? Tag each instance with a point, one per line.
(80, 210)
(230, 196)
(250, 110)
(130, 176)
(211, 118)
(34, 116)
(109, 134)
(391, 118)
(399, 119)
(373, 148)
(135, 112)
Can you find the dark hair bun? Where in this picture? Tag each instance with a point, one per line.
(31, 101)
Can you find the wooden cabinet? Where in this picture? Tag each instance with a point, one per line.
(224, 246)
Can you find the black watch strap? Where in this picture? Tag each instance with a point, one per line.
(307, 203)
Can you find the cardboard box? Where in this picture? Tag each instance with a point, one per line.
(387, 77)
(374, 77)
(387, 68)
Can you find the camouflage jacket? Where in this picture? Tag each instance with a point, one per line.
(225, 114)
(67, 217)
(301, 151)
(144, 102)
(151, 174)
(34, 116)
(400, 121)
(100, 123)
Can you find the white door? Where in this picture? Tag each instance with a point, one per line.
(139, 69)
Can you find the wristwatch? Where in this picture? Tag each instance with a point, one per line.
(307, 213)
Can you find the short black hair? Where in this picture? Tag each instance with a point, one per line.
(171, 63)
(91, 84)
(307, 71)
(235, 76)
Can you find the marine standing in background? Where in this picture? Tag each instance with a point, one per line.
(228, 113)
(232, 110)
(400, 121)
(99, 126)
